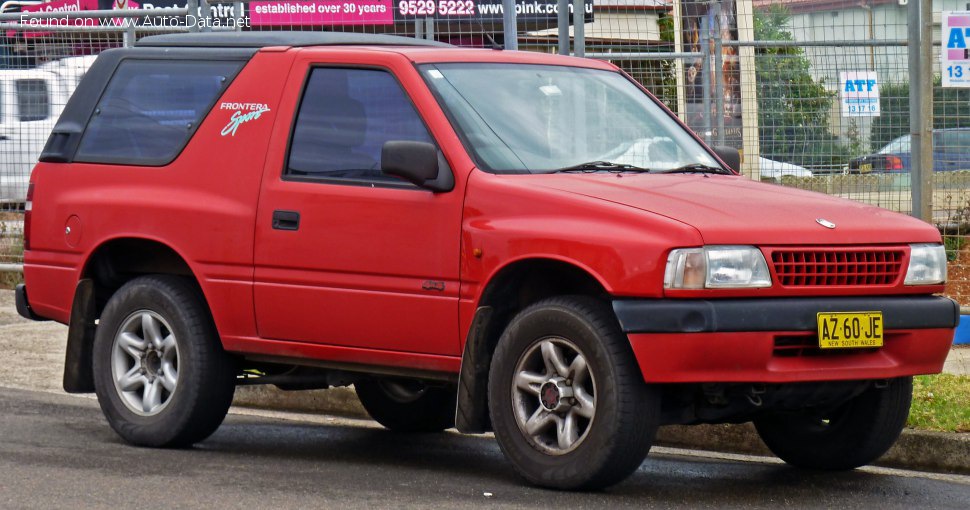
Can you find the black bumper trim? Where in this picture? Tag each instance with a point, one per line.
(778, 314)
(23, 306)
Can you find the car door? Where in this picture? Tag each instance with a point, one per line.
(345, 255)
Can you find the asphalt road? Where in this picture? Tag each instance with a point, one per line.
(56, 451)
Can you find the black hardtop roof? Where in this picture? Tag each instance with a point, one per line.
(282, 38)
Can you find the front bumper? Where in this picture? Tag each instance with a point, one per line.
(774, 340)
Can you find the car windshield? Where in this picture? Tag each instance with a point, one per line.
(517, 118)
(897, 146)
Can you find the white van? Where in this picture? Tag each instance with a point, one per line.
(69, 71)
(30, 102)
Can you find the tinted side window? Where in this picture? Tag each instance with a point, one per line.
(345, 117)
(150, 109)
(33, 100)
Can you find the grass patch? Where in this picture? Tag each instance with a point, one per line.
(953, 245)
(11, 250)
(9, 280)
(941, 403)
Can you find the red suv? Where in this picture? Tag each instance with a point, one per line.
(531, 240)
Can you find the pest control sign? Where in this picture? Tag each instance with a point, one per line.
(860, 94)
(955, 53)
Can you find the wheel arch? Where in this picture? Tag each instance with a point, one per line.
(510, 289)
(110, 265)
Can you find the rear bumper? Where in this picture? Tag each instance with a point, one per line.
(774, 340)
(23, 306)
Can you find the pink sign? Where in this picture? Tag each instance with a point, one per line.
(62, 6)
(69, 6)
(321, 12)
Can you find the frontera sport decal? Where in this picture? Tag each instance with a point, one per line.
(242, 113)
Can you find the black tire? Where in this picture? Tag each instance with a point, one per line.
(406, 405)
(205, 374)
(612, 442)
(855, 434)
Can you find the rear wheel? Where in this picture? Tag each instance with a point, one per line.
(567, 400)
(852, 435)
(160, 373)
(408, 405)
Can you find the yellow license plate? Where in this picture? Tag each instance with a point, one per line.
(849, 330)
(865, 167)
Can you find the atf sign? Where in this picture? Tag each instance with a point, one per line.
(860, 94)
(955, 53)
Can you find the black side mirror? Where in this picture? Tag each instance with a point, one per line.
(418, 163)
(731, 156)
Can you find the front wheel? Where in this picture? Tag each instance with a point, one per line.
(567, 400)
(851, 435)
(161, 375)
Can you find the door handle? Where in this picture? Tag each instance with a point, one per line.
(286, 220)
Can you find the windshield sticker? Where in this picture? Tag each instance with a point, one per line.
(550, 90)
(241, 114)
(436, 74)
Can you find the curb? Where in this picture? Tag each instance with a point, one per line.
(915, 449)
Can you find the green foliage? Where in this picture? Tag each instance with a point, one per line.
(11, 250)
(951, 109)
(793, 109)
(941, 402)
(952, 246)
(665, 87)
(666, 24)
(658, 76)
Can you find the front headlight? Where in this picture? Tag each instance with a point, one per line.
(927, 264)
(716, 267)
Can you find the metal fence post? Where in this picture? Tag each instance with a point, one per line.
(237, 11)
(510, 25)
(579, 28)
(705, 39)
(679, 78)
(718, 75)
(128, 39)
(920, 49)
(206, 15)
(193, 11)
(563, 19)
(926, 99)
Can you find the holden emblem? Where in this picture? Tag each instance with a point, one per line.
(824, 222)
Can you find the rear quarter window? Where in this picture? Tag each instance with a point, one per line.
(151, 108)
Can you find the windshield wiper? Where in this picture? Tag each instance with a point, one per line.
(602, 166)
(695, 168)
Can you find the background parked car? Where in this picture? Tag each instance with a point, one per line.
(951, 152)
(69, 71)
(30, 102)
(774, 170)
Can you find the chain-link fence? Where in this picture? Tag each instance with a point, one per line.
(816, 94)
